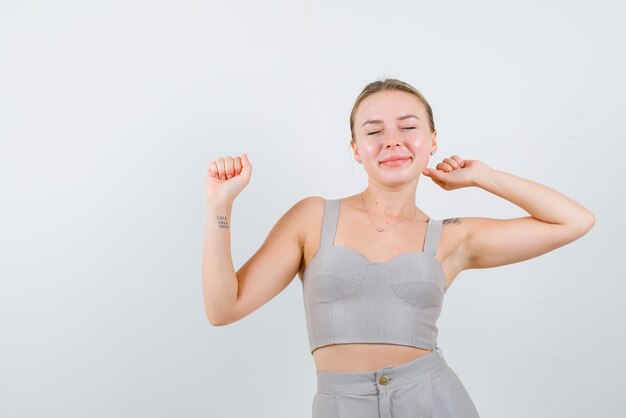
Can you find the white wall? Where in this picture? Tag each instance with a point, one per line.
(111, 111)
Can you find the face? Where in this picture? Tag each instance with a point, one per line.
(383, 129)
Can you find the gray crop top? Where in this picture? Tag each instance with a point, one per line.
(348, 299)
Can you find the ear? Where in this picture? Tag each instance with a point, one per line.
(434, 138)
(355, 150)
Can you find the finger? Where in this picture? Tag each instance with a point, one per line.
(229, 167)
(245, 162)
(452, 163)
(246, 167)
(220, 168)
(213, 170)
(435, 175)
(444, 167)
(459, 160)
(237, 165)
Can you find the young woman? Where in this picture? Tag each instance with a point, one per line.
(374, 267)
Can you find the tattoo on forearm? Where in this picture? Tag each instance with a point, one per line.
(222, 222)
(453, 221)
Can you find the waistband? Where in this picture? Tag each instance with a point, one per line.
(386, 378)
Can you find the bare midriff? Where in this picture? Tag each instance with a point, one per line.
(358, 357)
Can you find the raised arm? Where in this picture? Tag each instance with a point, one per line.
(229, 295)
(226, 178)
(555, 219)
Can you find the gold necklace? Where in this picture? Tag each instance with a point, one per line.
(377, 227)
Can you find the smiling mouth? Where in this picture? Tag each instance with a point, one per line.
(395, 163)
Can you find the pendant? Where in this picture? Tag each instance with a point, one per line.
(380, 230)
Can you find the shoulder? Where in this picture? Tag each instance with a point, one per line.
(457, 224)
(296, 222)
(460, 223)
(309, 206)
(464, 226)
(457, 229)
(458, 232)
(307, 211)
(308, 214)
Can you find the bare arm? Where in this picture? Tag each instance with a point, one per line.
(226, 178)
(230, 296)
(219, 281)
(555, 220)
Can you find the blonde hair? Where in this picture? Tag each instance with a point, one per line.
(389, 84)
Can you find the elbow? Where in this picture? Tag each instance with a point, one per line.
(215, 322)
(585, 225)
(218, 321)
(219, 313)
(589, 223)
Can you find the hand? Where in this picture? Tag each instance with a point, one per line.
(226, 178)
(455, 172)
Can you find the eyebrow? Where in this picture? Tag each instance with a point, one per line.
(380, 121)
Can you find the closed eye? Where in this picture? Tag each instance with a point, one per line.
(372, 133)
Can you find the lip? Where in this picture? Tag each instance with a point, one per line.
(396, 160)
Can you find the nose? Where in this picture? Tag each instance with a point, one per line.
(392, 141)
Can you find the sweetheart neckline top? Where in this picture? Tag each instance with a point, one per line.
(351, 299)
(368, 262)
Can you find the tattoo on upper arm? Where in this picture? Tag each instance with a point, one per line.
(453, 221)
(222, 222)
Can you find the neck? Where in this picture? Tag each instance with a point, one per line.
(390, 204)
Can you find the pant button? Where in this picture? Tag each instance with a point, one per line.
(383, 380)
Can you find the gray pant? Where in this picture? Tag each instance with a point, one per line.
(424, 387)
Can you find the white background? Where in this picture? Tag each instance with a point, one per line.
(110, 113)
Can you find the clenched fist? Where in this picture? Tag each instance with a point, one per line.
(226, 178)
(455, 172)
